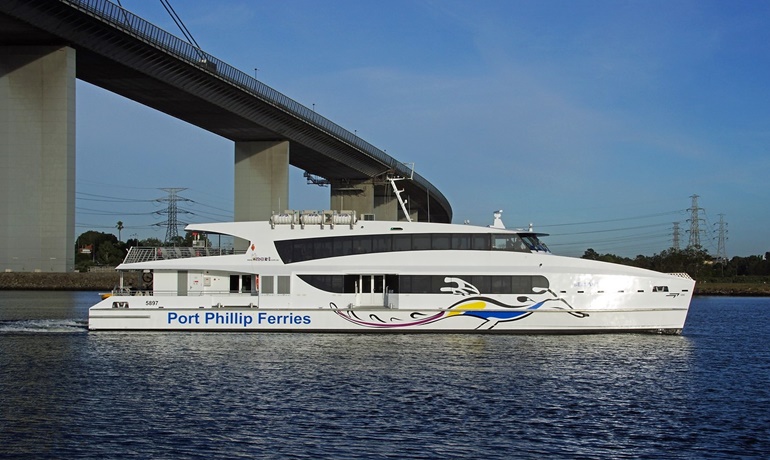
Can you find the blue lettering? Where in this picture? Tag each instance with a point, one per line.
(192, 318)
(289, 319)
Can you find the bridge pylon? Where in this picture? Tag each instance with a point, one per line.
(37, 158)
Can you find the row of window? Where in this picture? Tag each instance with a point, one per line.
(320, 248)
(261, 284)
(427, 284)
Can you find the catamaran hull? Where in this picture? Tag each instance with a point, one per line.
(384, 320)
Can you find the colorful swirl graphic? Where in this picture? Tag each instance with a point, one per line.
(477, 307)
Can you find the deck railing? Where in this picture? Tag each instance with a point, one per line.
(143, 254)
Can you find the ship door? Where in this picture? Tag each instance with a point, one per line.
(370, 291)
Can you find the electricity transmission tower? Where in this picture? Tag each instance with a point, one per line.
(172, 210)
(694, 221)
(721, 238)
(676, 236)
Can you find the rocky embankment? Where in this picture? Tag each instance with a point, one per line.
(91, 281)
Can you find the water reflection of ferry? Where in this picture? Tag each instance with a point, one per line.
(328, 271)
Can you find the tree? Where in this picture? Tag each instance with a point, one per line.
(109, 254)
(151, 243)
(119, 227)
(104, 248)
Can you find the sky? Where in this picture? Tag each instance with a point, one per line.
(595, 121)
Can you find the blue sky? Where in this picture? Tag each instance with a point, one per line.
(594, 120)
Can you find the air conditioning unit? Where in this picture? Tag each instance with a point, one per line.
(367, 217)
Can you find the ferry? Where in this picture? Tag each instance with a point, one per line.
(328, 271)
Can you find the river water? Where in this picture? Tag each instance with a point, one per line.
(69, 393)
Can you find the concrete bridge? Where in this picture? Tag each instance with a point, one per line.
(45, 45)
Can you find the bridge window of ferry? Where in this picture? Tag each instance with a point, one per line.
(508, 242)
(535, 244)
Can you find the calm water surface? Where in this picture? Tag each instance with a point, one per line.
(68, 393)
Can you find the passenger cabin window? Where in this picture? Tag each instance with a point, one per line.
(245, 283)
(431, 284)
(461, 241)
(267, 285)
(284, 286)
(299, 250)
(480, 242)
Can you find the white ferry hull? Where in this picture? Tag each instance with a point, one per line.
(385, 320)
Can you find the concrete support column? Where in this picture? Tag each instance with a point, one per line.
(366, 197)
(37, 158)
(261, 180)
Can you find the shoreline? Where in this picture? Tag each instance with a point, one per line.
(106, 280)
(74, 281)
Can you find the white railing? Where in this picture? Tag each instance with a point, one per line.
(139, 254)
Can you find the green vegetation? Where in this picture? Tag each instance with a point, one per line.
(737, 276)
(99, 249)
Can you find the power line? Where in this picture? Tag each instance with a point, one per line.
(589, 232)
(678, 211)
(111, 199)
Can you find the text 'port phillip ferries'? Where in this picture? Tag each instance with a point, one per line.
(45, 45)
(328, 271)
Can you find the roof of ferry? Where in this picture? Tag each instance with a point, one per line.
(252, 230)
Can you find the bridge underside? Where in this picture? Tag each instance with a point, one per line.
(270, 132)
